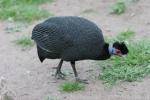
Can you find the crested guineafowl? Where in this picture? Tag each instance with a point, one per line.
(72, 38)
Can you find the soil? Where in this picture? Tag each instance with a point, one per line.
(25, 78)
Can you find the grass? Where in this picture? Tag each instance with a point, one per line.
(24, 41)
(22, 10)
(125, 35)
(118, 7)
(48, 98)
(132, 67)
(71, 86)
(15, 27)
(121, 36)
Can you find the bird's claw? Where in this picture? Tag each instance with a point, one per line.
(60, 75)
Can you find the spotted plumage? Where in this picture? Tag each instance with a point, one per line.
(72, 38)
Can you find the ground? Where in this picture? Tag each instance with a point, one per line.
(29, 79)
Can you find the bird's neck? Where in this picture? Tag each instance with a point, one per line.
(111, 49)
(106, 52)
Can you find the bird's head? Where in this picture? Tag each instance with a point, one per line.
(118, 48)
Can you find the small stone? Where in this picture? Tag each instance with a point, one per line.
(65, 97)
(134, 84)
(147, 23)
(132, 14)
(53, 82)
(108, 30)
(125, 88)
(90, 70)
(28, 72)
(120, 90)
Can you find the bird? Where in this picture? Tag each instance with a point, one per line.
(71, 39)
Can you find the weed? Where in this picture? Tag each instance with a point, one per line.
(15, 27)
(118, 7)
(48, 98)
(125, 35)
(71, 86)
(22, 10)
(24, 41)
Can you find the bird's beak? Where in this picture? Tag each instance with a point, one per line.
(118, 53)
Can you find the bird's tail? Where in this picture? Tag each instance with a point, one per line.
(39, 54)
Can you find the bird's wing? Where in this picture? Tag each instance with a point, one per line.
(51, 38)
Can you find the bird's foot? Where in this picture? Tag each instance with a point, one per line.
(60, 75)
(82, 80)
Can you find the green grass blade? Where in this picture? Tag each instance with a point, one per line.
(71, 86)
(24, 41)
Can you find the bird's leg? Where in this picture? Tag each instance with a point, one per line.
(76, 74)
(58, 73)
